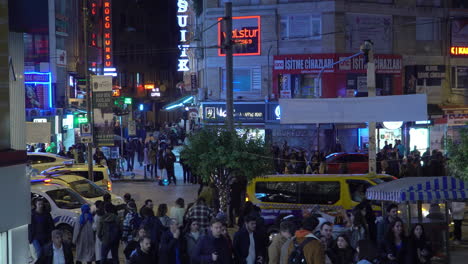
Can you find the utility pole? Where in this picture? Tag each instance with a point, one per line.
(89, 107)
(367, 49)
(229, 64)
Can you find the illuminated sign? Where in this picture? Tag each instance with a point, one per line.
(155, 93)
(149, 86)
(243, 112)
(82, 120)
(39, 120)
(459, 51)
(128, 100)
(38, 89)
(392, 125)
(93, 9)
(246, 32)
(107, 31)
(182, 21)
(115, 92)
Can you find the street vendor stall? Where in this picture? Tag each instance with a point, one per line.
(424, 200)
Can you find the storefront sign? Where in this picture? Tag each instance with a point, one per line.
(457, 119)
(425, 79)
(273, 112)
(182, 21)
(246, 33)
(243, 112)
(93, 16)
(37, 77)
(107, 17)
(459, 51)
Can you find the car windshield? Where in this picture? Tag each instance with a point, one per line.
(66, 198)
(87, 189)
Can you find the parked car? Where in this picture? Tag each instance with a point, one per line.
(64, 204)
(41, 160)
(100, 173)
(346, 162)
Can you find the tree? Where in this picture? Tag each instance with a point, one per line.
(218, 155)
(458, 155)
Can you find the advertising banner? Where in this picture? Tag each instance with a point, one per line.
(102, 105)
(243, 112)
(425, 79)
(246, 33)
(361, 27)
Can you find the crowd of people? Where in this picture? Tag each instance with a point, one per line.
(288, 160)
(195, 233)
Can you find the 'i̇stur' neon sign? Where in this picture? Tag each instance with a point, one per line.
(107, 23)
(182, 20)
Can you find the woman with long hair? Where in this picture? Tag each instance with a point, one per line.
(419, 248)
(341, 252)
(162, 215)
(178, 211)
(394, 248)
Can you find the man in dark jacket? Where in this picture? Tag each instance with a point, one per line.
(153, 226)
(109, 232)
(212, 248)
(130, 148)
(171, 251)
(56, 251)
(249, 246)
(41, 226)
(144, 254)
(169, 160)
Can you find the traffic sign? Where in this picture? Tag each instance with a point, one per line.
(87, 139)
(85, 130)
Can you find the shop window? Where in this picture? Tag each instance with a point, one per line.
(427, 28)
(460, 77)
(301, 27)
(276, 192)
(244, 79)
(320, 192)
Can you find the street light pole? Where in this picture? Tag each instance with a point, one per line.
(89, 108)
(229, 64)
(367, 48)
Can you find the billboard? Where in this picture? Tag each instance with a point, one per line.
(246, 36)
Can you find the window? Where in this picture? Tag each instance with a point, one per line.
(300, 26)
(427, 28)
(87, 189)
(37, 159)
(276, 192)
(357, 189)
(320, 192)
(66, 199)
(244, 79)
(460, 77)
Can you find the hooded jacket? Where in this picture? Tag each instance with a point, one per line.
(313, 250)
(109, 229)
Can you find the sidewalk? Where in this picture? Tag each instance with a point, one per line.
(138, 171)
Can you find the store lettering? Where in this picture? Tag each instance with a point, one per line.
(459, 50)
(380, 64)
(307, 64)
(182, 20)
(107, 34)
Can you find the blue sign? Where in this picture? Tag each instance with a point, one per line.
(243, 112)
(274, 112)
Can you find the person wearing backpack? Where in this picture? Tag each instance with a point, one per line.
(131, 223)
(305, 246)
(108, 230)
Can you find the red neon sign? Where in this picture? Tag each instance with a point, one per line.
(246, 36)
(459, 51)
(93, 7)
(107, 31)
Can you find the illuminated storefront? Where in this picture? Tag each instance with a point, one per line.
(38, 87)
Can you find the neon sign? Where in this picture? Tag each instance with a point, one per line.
(94, 7)
(459, 51)
(107, 31)
(246, 34)
(182, 21)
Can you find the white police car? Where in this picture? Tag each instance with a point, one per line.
(64, 204)
(84, 187)
(41, 160)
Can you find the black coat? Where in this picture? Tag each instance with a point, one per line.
(207, 245)
(168, 247)
(169, 160)
(140, 257)
(341, 256)
(41, 227)
(241, 245)
(48, 254)
(414, 245)
(402, 256)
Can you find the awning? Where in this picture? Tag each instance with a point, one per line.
(181, 102)
(425, 189)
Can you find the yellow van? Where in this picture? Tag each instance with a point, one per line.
(291, 193)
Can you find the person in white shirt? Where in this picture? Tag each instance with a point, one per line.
(249, 246)
(458, 213)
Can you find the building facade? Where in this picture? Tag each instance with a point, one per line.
(418, 46)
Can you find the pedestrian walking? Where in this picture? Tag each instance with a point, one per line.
(161, 164)
(131, 223)
(187, 173)
(171, 249)
(162, 215)
(178, 210)
(152, 157)
(394, 247)
(201, 213)
(191, 238)
(169, 160)
(140, 147)
(109, 232)
(287, 230)
(130, 148)
(419, 247)
(307, 243)
(56, 251)
(83, 236)
(212, 248)
(40, 229)
(458, 213)
(144, 254)
(249, 246)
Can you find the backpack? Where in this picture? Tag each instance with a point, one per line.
(297, 255)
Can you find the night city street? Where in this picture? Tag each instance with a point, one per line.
(234, 131)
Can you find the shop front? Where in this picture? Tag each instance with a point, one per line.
(248, 116)
(297, 76)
